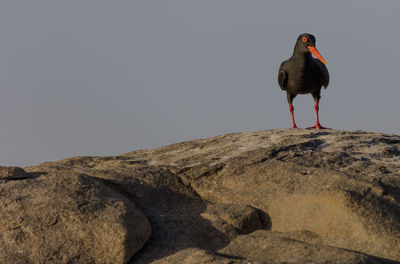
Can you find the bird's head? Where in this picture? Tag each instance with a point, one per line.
(306, 43)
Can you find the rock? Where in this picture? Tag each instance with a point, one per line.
(196, 255)
(242, 218)
(7, 173)
(325, 196)
(67, 217)
(273, 247)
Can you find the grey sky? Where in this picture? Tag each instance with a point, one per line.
(100, 77)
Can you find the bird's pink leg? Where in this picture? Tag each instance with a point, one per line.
(291, 109)
(317, 124)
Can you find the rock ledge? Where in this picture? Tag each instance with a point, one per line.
(274, 196)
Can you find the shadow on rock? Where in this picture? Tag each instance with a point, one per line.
(181, 221)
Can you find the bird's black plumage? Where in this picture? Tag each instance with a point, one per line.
(303, 74)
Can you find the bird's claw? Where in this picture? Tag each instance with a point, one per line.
(318, 126)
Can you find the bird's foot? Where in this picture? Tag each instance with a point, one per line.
(294, 126)
(318, 126)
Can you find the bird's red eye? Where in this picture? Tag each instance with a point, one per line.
(304, 39)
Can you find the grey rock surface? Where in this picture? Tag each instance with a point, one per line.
(274, 196)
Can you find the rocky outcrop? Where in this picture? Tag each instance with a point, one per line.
(291, 247)
(66, 217)
(275, 196)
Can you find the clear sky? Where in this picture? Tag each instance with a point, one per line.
(101, 77)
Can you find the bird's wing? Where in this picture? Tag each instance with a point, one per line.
(324, 74)
(282, 77)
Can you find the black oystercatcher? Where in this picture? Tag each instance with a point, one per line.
(302, 74)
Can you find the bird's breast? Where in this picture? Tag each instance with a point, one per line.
(302, 79)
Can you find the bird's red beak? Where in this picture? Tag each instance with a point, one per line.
(314, 51)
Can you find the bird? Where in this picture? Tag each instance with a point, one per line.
(304, 74)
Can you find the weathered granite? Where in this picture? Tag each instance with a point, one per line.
(274, 196)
